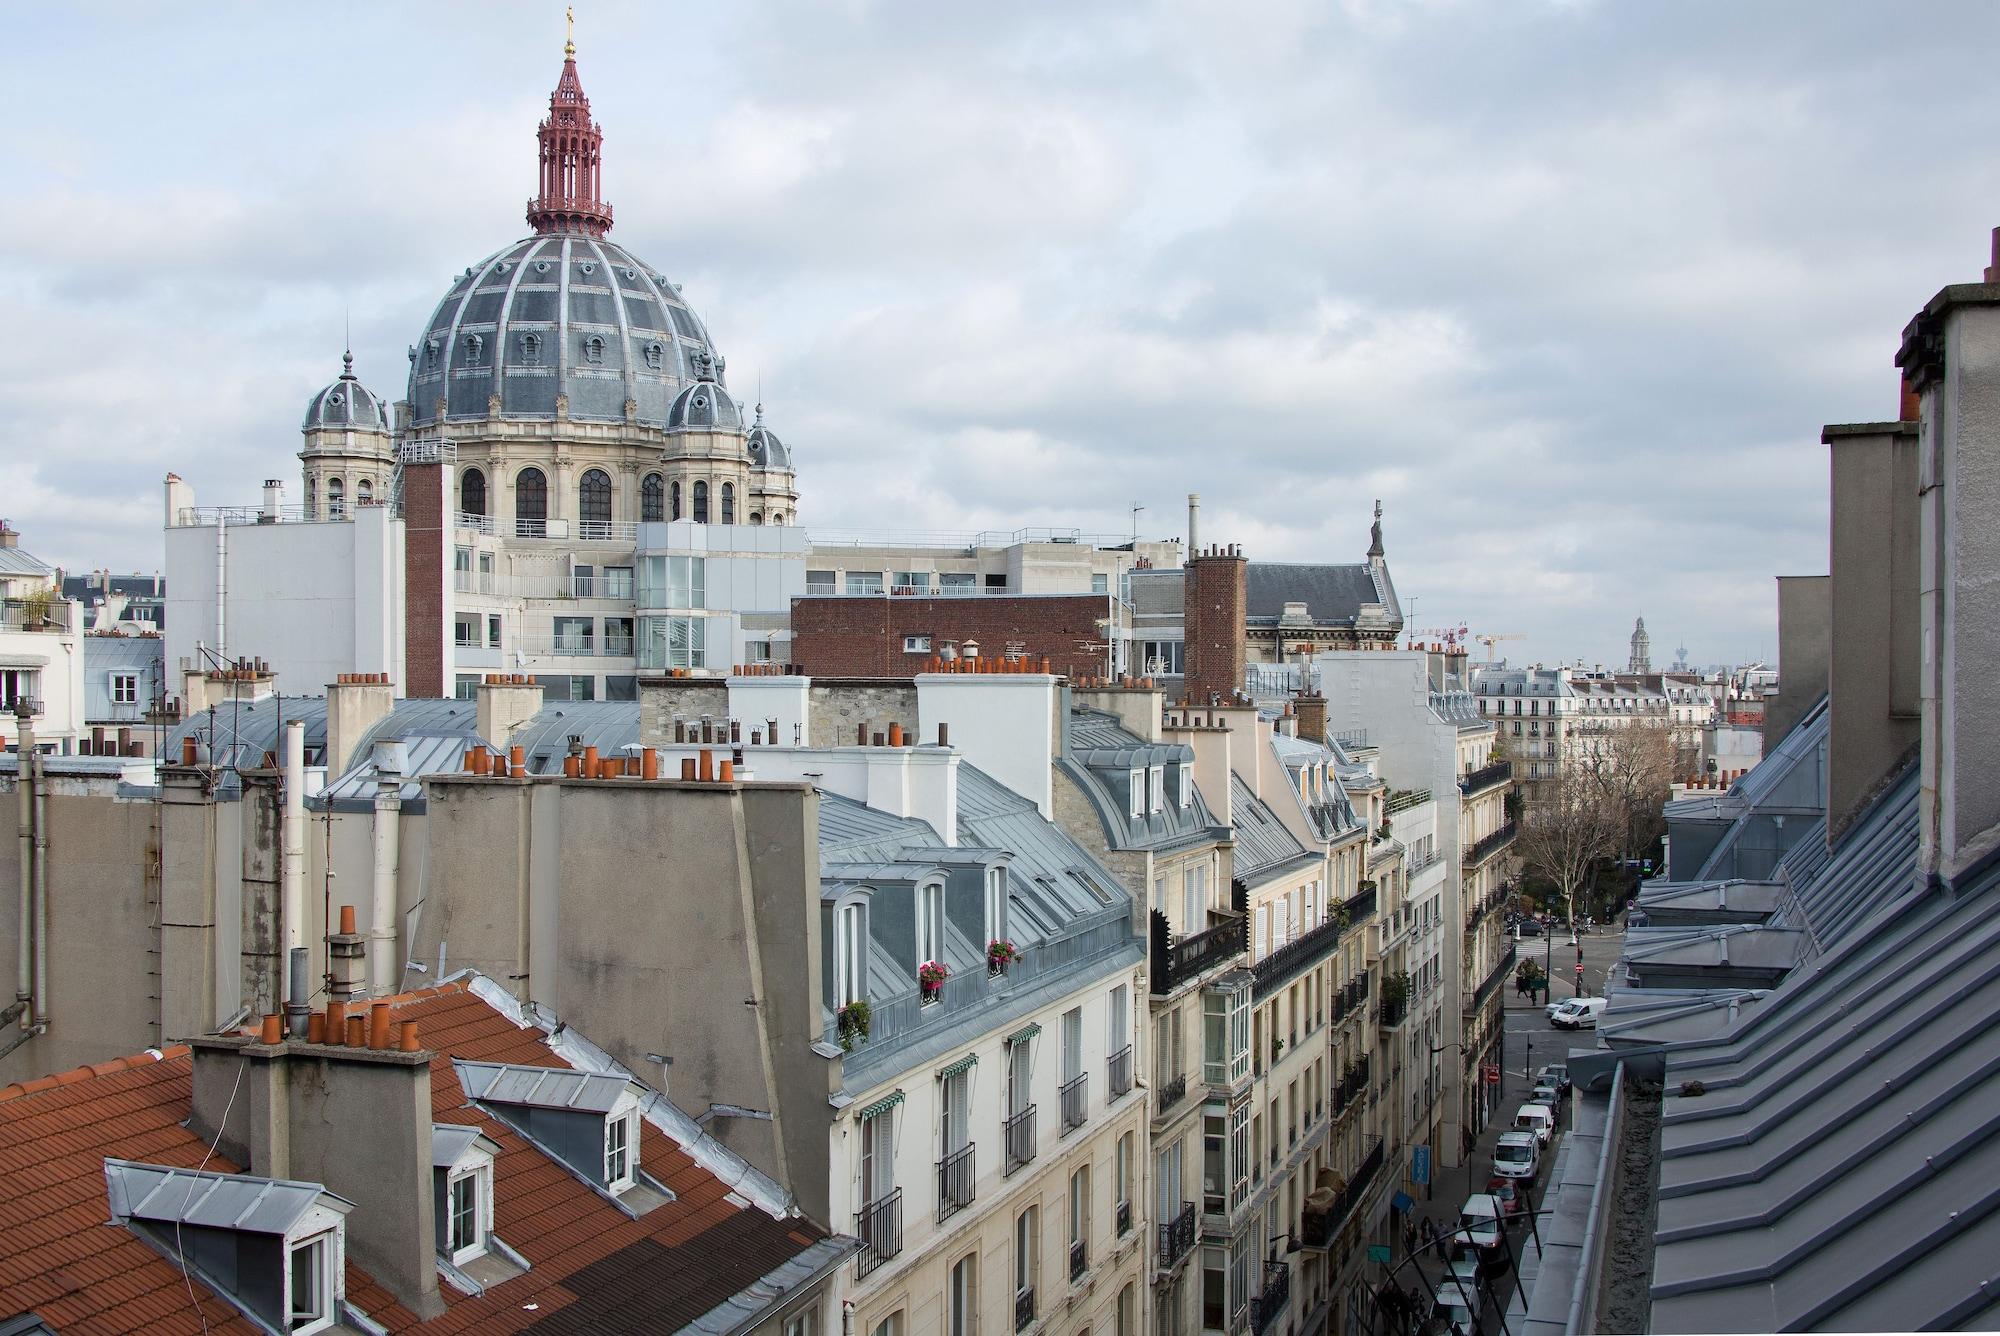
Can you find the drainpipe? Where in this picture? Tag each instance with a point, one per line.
(41, 1024)
(24, 989)
(221, 588)
(382, 915)
(293, 836)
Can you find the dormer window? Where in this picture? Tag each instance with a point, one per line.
(996, 904)
(850, 948)
(309, 1284)
(1184, 781)
(930, 922)
(618, 1157)
(1156, 789)
(587, 1120)
(462, 1162)
(1136, 785)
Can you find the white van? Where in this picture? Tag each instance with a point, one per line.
(1536, 1118)
(1579, 1013)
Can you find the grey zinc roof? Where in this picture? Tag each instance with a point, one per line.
(1263, 844)
(244, 1202)
(541, 1087)
(1100, 756)
(239, 735)
(1333, 595)
(557, 315)
(608, 725)
(105, 655)
(346, 405)
(20, 561)
(765, 449)
(704, 406)
(450, 1141)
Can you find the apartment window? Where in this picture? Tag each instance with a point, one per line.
(878, 1156)
(1100, 583)
(891, 1325)
(1118, 1030)
(1020, 1076)
(673, 642)
(1167, 1182)
(820, 582)
(493, 630)
(621, 687)
(1161, 657)
(472, 492)
(1225, 1054)
(916, 644)
(1156, 789)
(618, 1153)
(1126, 1320)
(531, 503)
(573, 635)
(996, 904)
(1136, 785)
(1194, 894)
(583, 581)
(1079, 1222)
(593, 502)
(485, 572)
(1075, 1090)
(1184, 782)
(803, 1324)
(469, 1201)
(466, 687)
(910, 582)
(957, 582)
(849, 945)
(1260, 928)
(465, 629)
(1027, 1242)
(864, 582)
(461, 568)
(961, 1305)
(309, 1285)
(124, 688)
(1122, 1184)
(930, 922)
(996, 581)
(728, 503)
(617, 583)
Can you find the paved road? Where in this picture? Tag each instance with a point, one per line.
(1531, 1043)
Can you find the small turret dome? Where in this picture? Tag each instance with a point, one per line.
(766, 450)
(704, 405)
(346, 405)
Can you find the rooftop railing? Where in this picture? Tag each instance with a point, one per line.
(1478, 781)
(1491, 844)
(1178, 961)
(1295, 956)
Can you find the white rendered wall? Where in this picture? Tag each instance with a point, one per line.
(58, 655)
(1004, 723)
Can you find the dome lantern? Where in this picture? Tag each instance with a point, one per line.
(572, 162)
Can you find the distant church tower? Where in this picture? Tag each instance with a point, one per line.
(1642, 650)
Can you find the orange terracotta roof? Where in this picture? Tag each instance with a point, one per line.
(64, 1259)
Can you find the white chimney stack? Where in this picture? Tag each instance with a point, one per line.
(1194, 522)
(274, 500)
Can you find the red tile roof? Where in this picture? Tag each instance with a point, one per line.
(61, 1257)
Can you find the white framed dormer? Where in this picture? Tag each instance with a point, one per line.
(1136, 786)
(1184, 782)
(621, 1144)
(996, 903)
(850, 949)
(124, 687)
(462, 1158)
(930, 921)
(1156, 789)
(315, 1271)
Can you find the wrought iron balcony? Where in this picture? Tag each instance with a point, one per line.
(1024, 1308)
(1179, 961)
(1177, 1237)
(1490, 845)
(1491, 984)
(1484, 778)
(1075, 1101)
(1120, 1071)
(1294, 957)
(1264, 1309)
(1170, 1094)
(1079, 1259)
(1019, 1129)
(1362, 907)
(879, 1226)
(958, 1175)
(1318, 1224)
(1124, 1214)
(1389, 1015)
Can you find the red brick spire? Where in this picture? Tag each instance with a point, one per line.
(572, 159)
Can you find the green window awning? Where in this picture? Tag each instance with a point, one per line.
(880, 1106)
(966, 1063)
(1024, 1034)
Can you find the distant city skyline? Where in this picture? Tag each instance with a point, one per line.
(1556, 282)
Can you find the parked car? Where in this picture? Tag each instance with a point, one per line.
(1511, 1193)
(1451, 1314)
(1539, 1119)
(1529, 928)
(1547, 1092)
(1555, 1074)
(1579, 1013)
(1550, 1009)
(1479, 1223)
(1518, 1155)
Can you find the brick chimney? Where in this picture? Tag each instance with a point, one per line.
(1215, 606)
(1311, 707)
(9, 535)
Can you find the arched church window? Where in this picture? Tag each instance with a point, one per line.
(677, 500)
(472, 492)
(475, 350)
(756, 517)
(531, 504)
(336, 499)
(312, 498)
(652, 499)
(593, 349)
(701, 503)
(728, 503)
(364, 492)
(531, 350)
(593, 503)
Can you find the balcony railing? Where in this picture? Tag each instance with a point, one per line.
(1079, 1259)
(1484, 778)
(1492, 844)
(465, 519)
(1294, 957)
(1402, 800)
(1491, 984)
(1361, 907)
(879, 1226)
(1075, 1094)
(1020, 1133)
(1120, 1071)
(1024, 1308)
(1319, 1224)
(1351, 1086)
(1177, 1237)
(958, 1175)
(1176, 962)
(1264, 1309)
(1390, 1015)
(1170, 1094)
(1124, 1214)
(34, 614)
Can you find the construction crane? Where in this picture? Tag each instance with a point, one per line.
(1449, 636)
(1496, 638)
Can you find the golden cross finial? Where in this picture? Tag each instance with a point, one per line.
(569, 31)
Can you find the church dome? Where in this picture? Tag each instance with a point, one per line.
(346, 405)
(766, 450)
(572, 315)
(563, 314)
(704, 405)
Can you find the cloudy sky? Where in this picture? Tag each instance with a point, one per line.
(1571, 286)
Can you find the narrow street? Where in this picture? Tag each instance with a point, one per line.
(1531, 1043)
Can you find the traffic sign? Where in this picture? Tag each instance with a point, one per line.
(1493, 1076)
(1579, 969)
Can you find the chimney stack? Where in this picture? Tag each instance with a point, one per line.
(1194, 522)
(1215, 605)
(274, 500)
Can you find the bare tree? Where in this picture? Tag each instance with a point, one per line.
(1567, 825)
(1634, 766)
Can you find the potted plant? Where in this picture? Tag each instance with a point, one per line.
(930, 979)
(850, 1023)
(999, 954)
(1277, 1047)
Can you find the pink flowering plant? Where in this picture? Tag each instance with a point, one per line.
(930, 977)
(999, 952)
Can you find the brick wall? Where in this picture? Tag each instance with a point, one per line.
(1216, 605)
(863, 637)
(425, 540)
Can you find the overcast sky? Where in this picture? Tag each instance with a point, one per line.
(1570, 286)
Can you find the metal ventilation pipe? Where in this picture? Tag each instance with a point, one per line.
(24, 989)
(41, 1024)
(292, 837)
(1194, 522)
(389, 764)
(298, 1011)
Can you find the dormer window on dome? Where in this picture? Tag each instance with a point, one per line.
(276, 1248)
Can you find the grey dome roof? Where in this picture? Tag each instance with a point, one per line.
(549, 315)
(766, 450)
(704, 406)
(346, 405)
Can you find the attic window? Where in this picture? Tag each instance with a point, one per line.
(309, 1285)
(1156, 789)
(619, 1161)
(1136, 786)
(1184, 782)
(462, 1158)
